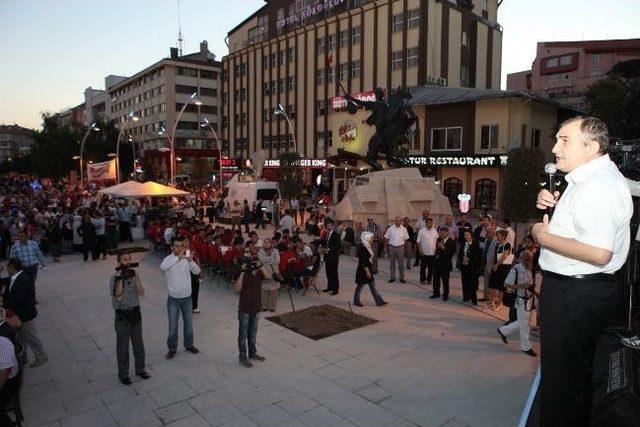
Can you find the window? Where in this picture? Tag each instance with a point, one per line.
(265, 62)
(595, 58)
(207, 91)
(280, 85)
(397, 60)
(273, 59)
(451, 187)
(535, 137)
(344, 38)
(444, 139)
(265, 88)
(291, 54)
(325, 139)
(185, 89)
(281, 57)
(464, 76)
(266, 115)
(321, 106)
(291, 110)
(486, 190)
(266, 142)
(320, 76)
(412, 57)
(414, 18)
(398, 22)
(331, 42)
(320, 44)
(188, 72)
(489, 137)
(465, 38)
(356, 35)
(355, 69)
(595, 73)
(566, 60)
(207, 74)
(552, 62)
(291, 83)
(243, 94)
(343, 72)
(485, 5)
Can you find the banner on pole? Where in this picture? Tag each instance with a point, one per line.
(103, 171)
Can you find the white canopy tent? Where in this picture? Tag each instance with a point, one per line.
(133, 189)
(115, 190)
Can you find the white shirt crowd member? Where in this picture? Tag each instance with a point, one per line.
(396, 235)
(601, 221)
(427, 239)
(176, 271)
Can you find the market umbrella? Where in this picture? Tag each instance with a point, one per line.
(114, 190)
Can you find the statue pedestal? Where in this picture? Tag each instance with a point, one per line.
(384, 194)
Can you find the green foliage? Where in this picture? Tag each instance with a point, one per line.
(290, 179)
(521, 183)
(616, 100)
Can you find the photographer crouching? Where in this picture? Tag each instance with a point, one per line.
(126, 290)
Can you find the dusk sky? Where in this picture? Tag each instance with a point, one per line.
(52, 50)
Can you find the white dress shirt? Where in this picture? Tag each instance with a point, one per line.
(396, 235)
(427, 239)
(13, 279)
(595, 209)
(176, 271)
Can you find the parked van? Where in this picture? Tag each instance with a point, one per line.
(244, 186)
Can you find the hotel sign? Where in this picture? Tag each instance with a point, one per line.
(487, 161)
(307, 12)
(340, 102)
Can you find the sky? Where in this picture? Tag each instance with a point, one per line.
(52, 50)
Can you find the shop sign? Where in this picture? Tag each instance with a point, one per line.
(348, 132)
(308, 12)
(230, 164)
(461, 161)
(340, 102)
(305, 163)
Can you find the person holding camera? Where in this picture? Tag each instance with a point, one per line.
(126, 290)
(177, 268)
(519, 281)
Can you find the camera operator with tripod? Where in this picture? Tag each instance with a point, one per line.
(126, 289)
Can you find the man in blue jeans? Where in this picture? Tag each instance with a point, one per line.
(249, 307)
(177, 268)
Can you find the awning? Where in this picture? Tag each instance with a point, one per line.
(148, 189)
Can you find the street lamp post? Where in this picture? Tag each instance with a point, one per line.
(193, 98)
(95, 128)
(130, 117)
(205, 122)
(134, 153)
(280, 111)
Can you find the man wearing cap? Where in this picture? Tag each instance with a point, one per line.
(332, 257)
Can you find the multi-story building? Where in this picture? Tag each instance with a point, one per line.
(74, 117)
(156, 95)
(564, 70)
(15, 141)
(300, 54)
(96, 100)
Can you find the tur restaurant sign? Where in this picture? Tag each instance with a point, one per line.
(488, 161)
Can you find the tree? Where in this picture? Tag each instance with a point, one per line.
(616, 100)
(290, 179)
(521, 183)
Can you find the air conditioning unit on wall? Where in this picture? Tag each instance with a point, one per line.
(442, 81)
(432, 80)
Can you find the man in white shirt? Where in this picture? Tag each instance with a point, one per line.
(396, 238)
(421, 223)
(583, 245)
(287, 222)
(426, 242)
(177, 267)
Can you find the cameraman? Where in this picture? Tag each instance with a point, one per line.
(126, 290)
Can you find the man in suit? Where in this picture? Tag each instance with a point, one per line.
(332, 257)
(19, 297)
(445, 250)
(488, 257)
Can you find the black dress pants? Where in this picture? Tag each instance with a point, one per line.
(331, 269)
(441, 274)
(572, 313)
(426, 267)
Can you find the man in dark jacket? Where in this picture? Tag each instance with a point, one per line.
(332, 257)
(19, 297)
(445, 249)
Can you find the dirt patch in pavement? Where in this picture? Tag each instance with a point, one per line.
(321, 321)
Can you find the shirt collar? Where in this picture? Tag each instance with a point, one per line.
(583, 172)
(13, 278)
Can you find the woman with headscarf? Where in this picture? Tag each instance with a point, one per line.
(364, 272)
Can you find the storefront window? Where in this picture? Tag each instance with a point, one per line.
(451, 188)
(486, 190)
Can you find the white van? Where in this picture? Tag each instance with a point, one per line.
(244, 186)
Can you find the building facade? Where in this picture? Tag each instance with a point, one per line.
(15, 141)
(565, 70)
(300, 54)
(156, 95)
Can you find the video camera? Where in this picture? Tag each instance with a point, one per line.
(127, 271)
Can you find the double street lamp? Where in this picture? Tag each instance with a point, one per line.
(130, 118)
(280, 111)
(206, 123)
(172, 157)
(94, 127)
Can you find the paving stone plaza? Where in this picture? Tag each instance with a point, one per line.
(425, 362)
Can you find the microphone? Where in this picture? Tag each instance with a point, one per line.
(550, 170)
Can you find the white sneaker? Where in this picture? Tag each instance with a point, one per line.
(632, 342)
(196, 311)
